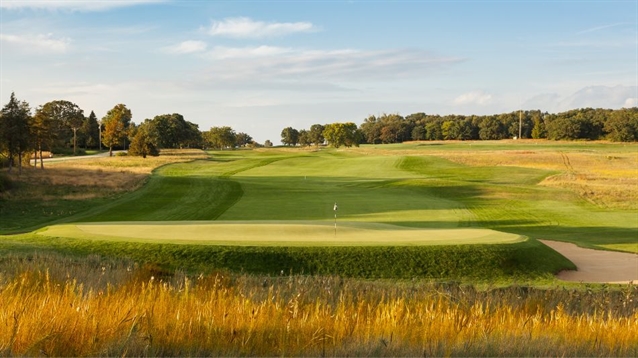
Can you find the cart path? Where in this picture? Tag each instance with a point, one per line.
(596, 266)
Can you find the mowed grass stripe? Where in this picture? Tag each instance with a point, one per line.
(280, 233)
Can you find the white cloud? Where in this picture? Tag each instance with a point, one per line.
(37, 43)
(226, 53)
(612, 97)
(190, 46)
(88, 5)
(631, 102)
(243, 27)
(474, 97)
(266, 62)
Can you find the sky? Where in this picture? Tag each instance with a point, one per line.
(261, 66)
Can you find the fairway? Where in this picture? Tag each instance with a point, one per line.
(280, 233)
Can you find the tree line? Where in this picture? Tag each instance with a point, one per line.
(619, 125)
(60, 125)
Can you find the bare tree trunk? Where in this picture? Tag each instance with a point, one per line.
(75, 141)
(35, 159)
(110, 151)
(41, 161)
(20, 163)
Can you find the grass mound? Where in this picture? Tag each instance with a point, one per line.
(527, 260)
(279, 233)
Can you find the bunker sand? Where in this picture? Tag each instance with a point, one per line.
(279, 233)
(596, 266)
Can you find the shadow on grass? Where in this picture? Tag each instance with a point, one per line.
(583, 236)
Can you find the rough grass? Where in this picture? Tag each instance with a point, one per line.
(67, 188)
(606, 179)
(97, 307)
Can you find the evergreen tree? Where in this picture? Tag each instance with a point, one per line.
(14, 130)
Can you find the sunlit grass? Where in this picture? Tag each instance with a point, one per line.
(121, 309)
(65, 188)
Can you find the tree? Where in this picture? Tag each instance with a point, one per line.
(450, 130)
(72, 117)
(42, 130)
(622, 125)
(91, 131)
(316, 134)
(116, 122)
(145, 141)
(490, 129)
(14, 130)
(338, 134)
(221, 137)
(267, 143)
(433, 130)
(418, 133)
(304, 138)
(538, 131)
(243, 139)
(289, 136)
(371, 128)
(176, 132)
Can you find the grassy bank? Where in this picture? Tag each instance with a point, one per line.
(58, 306)
(524, 261)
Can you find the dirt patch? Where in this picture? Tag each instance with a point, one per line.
(596, 265)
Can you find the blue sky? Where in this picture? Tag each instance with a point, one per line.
(260, 66)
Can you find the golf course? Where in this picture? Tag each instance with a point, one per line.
(433, 249)
(413, 210)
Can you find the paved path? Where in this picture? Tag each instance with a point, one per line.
(597, 265)
(71, 157)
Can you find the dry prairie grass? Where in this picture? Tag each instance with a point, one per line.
(603, 178)
(90, 178)
(142, 311)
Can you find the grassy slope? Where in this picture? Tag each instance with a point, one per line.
(412, 191)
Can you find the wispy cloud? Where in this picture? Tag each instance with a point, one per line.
(37, 43)
(266, 62)
(190, 46)
(613, 97)
(602, 27)
(227, 53)
(88, 5)
(474, 97)
(243, 27)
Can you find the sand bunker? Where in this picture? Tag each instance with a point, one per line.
(597, 265)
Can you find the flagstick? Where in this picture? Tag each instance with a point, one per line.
(335, 210)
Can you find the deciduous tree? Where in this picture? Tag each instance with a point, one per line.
(145, 141)
(221, 137)
(289, 136)
(622, 125)
(116, 122)
(316, 134)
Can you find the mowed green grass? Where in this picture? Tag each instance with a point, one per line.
(279, 233)
(415, 191)
(401, 215)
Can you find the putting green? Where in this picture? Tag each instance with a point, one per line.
(279, 233)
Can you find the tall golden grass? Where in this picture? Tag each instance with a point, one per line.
(126, 310)
(89, 178)
(607, 179)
